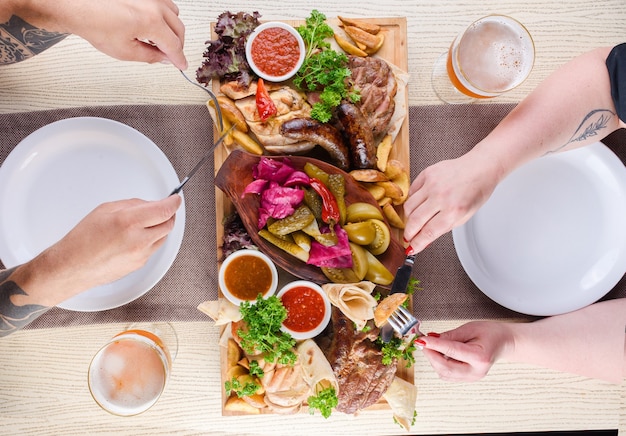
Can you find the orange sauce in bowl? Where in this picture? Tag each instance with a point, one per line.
(248, 276)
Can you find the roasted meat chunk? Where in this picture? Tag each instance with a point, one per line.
(378, 87)
(357, 363)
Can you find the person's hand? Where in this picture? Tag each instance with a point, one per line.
(467, 352)
(112, 241)
(146, 31)
(446, 195)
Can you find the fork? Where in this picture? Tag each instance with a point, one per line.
(218, 111)
(404, 322)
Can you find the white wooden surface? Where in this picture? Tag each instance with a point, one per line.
(43, 384)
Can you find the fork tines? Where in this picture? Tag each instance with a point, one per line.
(402, 320)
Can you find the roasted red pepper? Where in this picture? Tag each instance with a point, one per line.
(330, 208)
(264, 104)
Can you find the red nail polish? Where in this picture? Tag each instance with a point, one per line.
(420, 342)
(433, 335)
(405, 240)
(409, 251)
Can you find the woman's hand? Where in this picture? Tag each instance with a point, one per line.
(446, 195)
(467, 352)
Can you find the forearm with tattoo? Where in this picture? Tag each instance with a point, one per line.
(12, 316)
(20, 41)
(594, 124)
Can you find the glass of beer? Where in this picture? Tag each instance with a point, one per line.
(491, 56)
(128, 374)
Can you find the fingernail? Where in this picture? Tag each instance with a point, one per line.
(433, 335)
(420, 344)
(405, 240)
(409, 251)
(166, 61)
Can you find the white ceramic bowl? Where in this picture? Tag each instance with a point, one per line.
(228, 293)
(326, 304)
(253, 65)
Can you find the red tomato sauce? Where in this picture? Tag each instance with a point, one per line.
(275, 51)
(305, 309)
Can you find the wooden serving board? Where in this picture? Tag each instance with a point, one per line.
(394, 51)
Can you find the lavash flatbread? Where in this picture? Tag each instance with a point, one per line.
(354, 300)
(315, 366)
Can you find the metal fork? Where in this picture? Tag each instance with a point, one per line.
(404, 322)
(218, 111)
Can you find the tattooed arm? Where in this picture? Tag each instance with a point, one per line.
(119, 28)
(571, 108)
(113, 240)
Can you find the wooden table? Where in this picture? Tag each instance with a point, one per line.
(43, 372)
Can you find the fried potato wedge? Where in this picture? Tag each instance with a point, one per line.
(360, 36)
(392, 190)
(386, 307)
(394, 169)
(368, 176)
(382, 153)
(233, 353)
(377, 191)
(348, 47)
(380, 41)
(231, 112)
(246, 142)
(239, 405)
(404, 183)
(392, 216)
(367, 26)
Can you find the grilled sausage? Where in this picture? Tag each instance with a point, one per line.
(359, 136)
(325, 135)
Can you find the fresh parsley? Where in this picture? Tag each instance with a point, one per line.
(397, 348)
(325, 401)
(262, 333)
(255, 369)
(241, 389)
(324, 69)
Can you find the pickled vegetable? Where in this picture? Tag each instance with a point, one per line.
(316, 172)
(362, 233)
(382, 240)
(376, 271)
(362, 211)
(298, 220)
(337, 185)
(290, 247)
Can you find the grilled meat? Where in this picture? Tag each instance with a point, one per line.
(358, 135)
(357, 363)
(324, 135)
(378, 87)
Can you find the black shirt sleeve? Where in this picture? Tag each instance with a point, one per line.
(616, 64)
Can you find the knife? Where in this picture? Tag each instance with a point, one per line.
(202, 161)
(400, 282)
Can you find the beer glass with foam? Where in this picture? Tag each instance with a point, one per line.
(491, 56)
(128, 374)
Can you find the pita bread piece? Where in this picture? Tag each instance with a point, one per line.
(386, 307)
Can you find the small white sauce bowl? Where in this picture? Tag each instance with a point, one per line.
(246, 252)
(325, 320)
(254, 67)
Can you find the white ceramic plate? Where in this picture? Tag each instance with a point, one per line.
(551, 239)
(59, 173)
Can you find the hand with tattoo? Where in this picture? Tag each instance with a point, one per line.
(112, 241)
(145, 31)
(571, 108)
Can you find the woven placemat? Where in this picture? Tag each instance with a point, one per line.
(185, 132)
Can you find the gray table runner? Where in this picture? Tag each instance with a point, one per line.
(184, 133)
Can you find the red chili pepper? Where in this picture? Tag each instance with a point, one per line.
(330, 208)
(264, 104)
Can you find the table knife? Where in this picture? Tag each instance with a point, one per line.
(202, 161)
(400, 282)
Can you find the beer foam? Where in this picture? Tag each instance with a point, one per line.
(127, 376)
(495, 54)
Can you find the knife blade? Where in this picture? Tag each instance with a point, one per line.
(208, 154)
(400, 282)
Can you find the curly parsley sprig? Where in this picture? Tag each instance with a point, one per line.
(325, 401)
(324, 69)
(262, 333)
